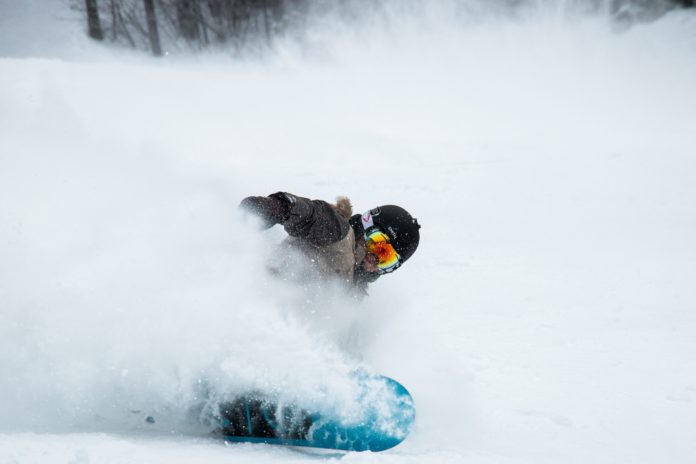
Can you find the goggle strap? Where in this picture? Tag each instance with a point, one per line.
(391, 269)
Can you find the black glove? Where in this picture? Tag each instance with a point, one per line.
(272, 210)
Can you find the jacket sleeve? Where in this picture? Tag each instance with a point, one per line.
(315, 221)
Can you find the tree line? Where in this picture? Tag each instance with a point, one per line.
(150, 24)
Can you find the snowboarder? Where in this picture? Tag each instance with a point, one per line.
(357, 249)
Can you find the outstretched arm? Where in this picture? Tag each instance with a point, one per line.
(316, 221)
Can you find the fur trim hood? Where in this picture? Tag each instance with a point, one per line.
(344, 207)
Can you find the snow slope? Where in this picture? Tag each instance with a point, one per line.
(548, 315)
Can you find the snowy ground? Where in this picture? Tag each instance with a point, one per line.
(548, 316)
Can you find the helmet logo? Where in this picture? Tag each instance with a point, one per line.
(367, 221)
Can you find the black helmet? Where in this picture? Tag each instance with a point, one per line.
(398, 224)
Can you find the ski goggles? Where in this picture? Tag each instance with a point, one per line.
(388, 260)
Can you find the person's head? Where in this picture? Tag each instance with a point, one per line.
(391, 237)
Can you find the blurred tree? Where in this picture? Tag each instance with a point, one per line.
(95, 29)
(152, 32)
(187, 18)
(155, 24)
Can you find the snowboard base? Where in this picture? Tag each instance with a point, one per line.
(387, 416)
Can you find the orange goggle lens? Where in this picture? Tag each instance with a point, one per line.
(387, 257)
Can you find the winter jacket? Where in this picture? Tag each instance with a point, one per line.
(324, 233)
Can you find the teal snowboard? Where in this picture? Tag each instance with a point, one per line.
(386, 416)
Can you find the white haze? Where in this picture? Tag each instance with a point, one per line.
(548, 315)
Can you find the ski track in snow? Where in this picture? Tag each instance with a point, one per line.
(546, 318)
